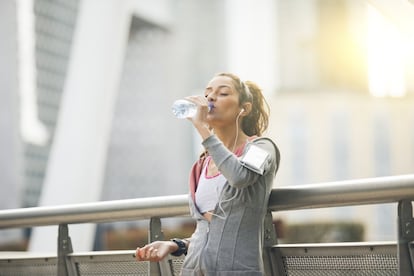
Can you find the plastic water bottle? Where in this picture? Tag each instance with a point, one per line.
(184, 109)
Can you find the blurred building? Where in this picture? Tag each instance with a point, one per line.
(11, 151)
(312, 58)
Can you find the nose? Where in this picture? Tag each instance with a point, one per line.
(211, 97)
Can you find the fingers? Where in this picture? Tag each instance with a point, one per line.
(152, 254)
(138, 254)
(202, 109)
(147, 253)
(198, 99)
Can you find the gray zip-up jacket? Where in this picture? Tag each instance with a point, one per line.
(231, 244)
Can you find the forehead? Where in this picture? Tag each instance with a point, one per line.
(221, 81)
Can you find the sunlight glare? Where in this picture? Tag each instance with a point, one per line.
(385, 54)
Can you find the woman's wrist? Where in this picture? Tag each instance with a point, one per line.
(179, 248)
(204, 130)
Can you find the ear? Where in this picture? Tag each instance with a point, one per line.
(246, 108)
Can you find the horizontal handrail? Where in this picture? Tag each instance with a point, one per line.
(343, 193)
(95, 212)
(333, 194)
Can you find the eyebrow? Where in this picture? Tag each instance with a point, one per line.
(220, 86)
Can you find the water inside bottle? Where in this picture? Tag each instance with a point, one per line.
(184, 109)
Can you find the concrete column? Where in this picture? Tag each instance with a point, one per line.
(77, 158)
(10, 142)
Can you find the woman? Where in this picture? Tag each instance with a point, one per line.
(229, 185)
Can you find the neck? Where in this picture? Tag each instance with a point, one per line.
(230, 138)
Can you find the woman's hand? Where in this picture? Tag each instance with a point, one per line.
(199, 120)
(155, 251)
(202, 108)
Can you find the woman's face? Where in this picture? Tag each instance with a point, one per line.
(224, 101)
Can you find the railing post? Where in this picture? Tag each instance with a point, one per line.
(64, 248)
(163, 267)
(270, 239)
(405, 238)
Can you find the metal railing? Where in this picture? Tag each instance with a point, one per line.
(321, 195)
(398, 189)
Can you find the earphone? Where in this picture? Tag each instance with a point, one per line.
(237, 128)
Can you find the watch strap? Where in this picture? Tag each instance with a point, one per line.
(182, 248)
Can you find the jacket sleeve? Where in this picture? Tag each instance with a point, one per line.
(236, 173)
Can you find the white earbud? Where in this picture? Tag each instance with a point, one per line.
(241, 111)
